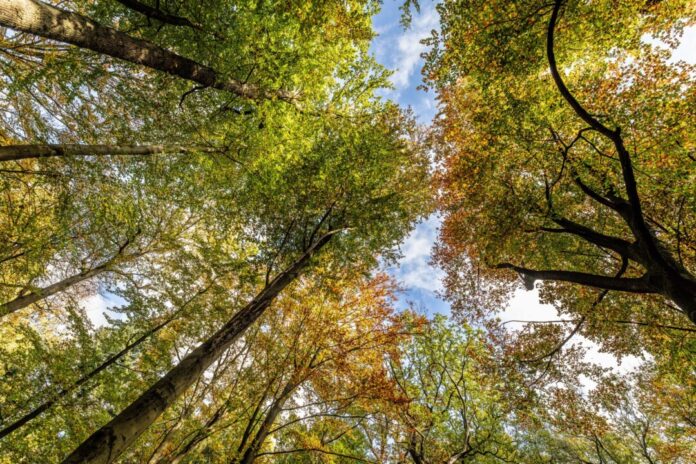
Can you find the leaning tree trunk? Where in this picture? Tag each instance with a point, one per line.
(107, 443)
(38, 295)
(41, 19)
(18, 152)
(262, 433)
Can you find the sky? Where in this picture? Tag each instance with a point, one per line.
(400, 50)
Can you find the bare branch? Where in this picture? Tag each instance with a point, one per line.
(631, 285)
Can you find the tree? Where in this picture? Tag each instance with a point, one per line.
(42, 19)
(562, 145)
(452, 405)
(614, 423)
(311, 371)
(242, 197)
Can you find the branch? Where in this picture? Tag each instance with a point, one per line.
(637, 221)
(159, 15)
(620, 246)
(631, 285)
(111, 360)
(587, 190)
(44, 20)
(316, 450)
(577, 107)
(581, 321)
(608, 321)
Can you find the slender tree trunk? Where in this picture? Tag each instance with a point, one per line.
(38, 295)
(18, 152)
(41, 19)
(107, 443)
(90, 375)
(268, 421)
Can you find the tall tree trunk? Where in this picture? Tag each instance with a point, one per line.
(38, 18)
(107, 443)
(18, 152)
(38, 295)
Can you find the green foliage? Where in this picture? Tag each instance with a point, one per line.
(183, 239)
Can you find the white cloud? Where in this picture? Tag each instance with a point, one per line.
(414, 269)
(525, 306)
(687, 47)
(401, 50)
(97, 305)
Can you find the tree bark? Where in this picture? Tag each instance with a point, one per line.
(262, 433)
(41, 19)
(107, 443)
(19, 152)
(38, 295)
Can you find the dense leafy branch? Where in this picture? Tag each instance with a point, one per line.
(664, 274)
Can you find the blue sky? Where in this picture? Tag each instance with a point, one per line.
(399, 50)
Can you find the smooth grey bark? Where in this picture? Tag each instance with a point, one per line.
(41, 19)
(18, 152)
(38, 295)
(107, 443)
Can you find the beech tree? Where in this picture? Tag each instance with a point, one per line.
(299, 386)
(455, 410)
(566, 159)
(253, 183)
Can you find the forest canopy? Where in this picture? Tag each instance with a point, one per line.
(237, 180)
